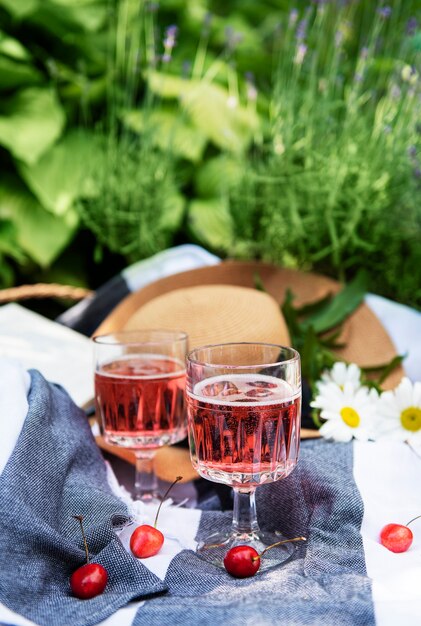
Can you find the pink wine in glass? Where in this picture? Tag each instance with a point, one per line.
(244, 429)
(140, 398)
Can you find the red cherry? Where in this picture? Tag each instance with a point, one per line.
(396, 537)
(146, 541)
(242, 561)
(88, 581)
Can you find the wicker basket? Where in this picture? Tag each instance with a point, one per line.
(43, 290)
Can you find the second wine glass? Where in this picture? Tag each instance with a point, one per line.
(139, 394)
(244, 414)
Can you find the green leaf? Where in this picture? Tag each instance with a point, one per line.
(386, 368)
(211, 109)
(6, 273)
(310, 355)
(291, 318)
(169, 131)
(15, 74)
(230, 128)
(30, 122)
(210, 222)
(169, 86)
(39, 234)
(19, 8)
(314, 307)
(173, 213)
(8, 240)
(62, 174)
(63, 16)
(13, 48)
(341, 305)
(258, 283)
(218, 176)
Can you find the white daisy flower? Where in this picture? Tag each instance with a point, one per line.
(349, 412)
(342, 373)
(400, 412)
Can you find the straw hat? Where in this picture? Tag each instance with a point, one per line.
(220, 303)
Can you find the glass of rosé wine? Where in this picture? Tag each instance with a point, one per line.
(244, 416)
(139, 394)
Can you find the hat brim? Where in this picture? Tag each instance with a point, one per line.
(365, 340)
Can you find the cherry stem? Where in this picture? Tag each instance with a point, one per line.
(165, 495)
(278, 543)
(80, 520)
(413, 520)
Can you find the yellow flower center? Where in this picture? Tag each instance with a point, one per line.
(411, 418)
(350, 416)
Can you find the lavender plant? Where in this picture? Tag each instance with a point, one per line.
(135, 205)
(336, 184)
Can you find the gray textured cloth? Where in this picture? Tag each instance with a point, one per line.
(57, 471)
(326, 582)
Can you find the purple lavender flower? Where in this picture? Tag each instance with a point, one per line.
(169, 42)
(293, 17)
(251, 87)
(364, 52)
(358, 77)
(301, 30)
(411, 26)
(152, 7)
(417, 173)
(384, 12)
(387, 129)
(300, 53)
(232, 38)
(412, 152)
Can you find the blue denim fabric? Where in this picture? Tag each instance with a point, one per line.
(56, 471)
(326, 583)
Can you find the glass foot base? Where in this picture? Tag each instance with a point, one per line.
(148, 498)
(214, 548)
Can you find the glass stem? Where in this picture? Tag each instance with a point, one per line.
(146, 481)
(244, 519)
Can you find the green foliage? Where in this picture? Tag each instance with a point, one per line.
(336, 184)
(146, 137)
(38, 234)
(316, 327)
(135, 206)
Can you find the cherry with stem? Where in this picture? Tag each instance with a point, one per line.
(397, 537)
(90, 579)
(147, 540)
(244, 561)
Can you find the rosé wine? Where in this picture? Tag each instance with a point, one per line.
(244, 429)
(140, 398)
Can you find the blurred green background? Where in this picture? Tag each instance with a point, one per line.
(276, 130)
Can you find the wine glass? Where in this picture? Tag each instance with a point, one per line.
(244, 415)
(139, 394)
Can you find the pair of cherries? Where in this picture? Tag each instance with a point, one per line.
(90, 579)
(244, 561)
